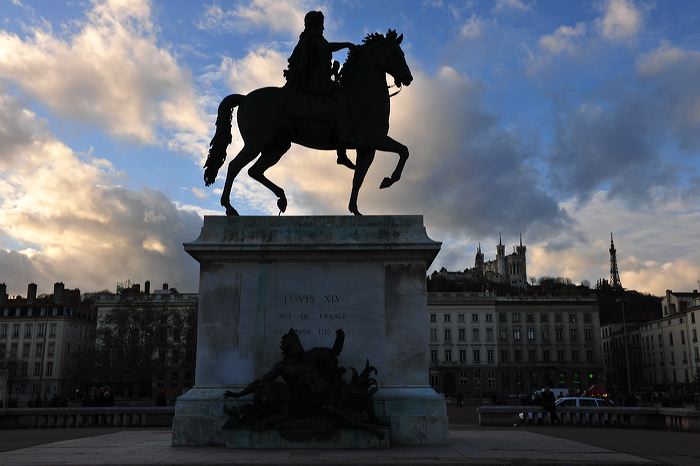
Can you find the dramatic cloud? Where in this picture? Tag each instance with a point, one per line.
(108, 70)
(621, 140)
(647, 242)
(66, 213)
(282, 17)
(621, 21)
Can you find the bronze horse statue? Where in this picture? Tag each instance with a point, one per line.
(270, 119)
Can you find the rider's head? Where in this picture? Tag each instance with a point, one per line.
(313, 21)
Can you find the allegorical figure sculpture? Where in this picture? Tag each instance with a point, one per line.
(305, 394)
(316, 111)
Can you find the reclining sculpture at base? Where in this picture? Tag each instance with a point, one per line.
(314, 398)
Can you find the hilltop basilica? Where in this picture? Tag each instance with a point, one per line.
(505, 269)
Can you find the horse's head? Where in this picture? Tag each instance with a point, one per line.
(396, 65)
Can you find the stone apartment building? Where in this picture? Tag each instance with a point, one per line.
(616, 357)
(481, 344)
(670, 348)
(174, 360)
(38, 336)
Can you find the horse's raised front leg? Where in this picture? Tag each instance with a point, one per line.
(268, 158)
(390, 145)
(244, 157)
(364, 159)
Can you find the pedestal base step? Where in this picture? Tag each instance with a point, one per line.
(273, 439)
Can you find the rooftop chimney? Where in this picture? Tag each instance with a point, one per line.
(136, 288)
(147, 287)
(31, 293)
(165, 287)
(58, 289)
(3, 293)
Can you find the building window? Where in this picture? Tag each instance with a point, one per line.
(27, 330)
(3, 331)
(557, 317)
(682, 337)
(544, 317)
(39, 350)
(460, 317)
(545, 333)
(476, 354)
(573, 334)
(588, 334)
(489, 334)
(475, 334)
(530, 333)
(574, 355)
(477, 377)
(692, 317)
(446, 318)
(670, 338)
(489, 318)
(448, 355)
(26, 348)
(433, 318)
(13, 349)
(52, 329)
(40, 329)
(532, 355)
(52, 349)
(462, 356)
(518, 357)
(433, 334)
(475, 318)
(560, 356)
(530, 317)
(23, 369)
(15, 330)
(502, 318)
(516, 318)
(589, 355)
(462, 334)
(697, 354)
(695, 336)
(545, 355)
(49, 369)
(448, 335)
(433, 355)
(491, 378)
(503, 334)
(516, 334)
(489, 356)
(37, 368)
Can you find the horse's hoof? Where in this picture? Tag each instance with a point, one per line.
(231, 212)
(282, 204)
(355, 212)
(386, 182)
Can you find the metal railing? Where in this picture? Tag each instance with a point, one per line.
(629, 417)
(113, 416)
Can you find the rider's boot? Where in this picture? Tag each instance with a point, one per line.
(343, 159)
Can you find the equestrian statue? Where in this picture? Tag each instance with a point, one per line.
(320, 107)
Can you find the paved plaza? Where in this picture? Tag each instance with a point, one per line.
(468, 446)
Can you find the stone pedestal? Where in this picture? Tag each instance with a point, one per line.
(261, 276)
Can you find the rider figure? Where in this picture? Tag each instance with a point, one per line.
(310, 72)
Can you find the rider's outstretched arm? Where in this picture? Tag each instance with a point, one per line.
(335, 46)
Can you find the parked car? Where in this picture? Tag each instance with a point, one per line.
(581, 402)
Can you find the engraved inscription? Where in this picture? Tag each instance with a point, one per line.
(314, 322)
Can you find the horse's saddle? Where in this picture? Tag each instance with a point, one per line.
(312, 107)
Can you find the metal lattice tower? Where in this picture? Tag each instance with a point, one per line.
(614, 274)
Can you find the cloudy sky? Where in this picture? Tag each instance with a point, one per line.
(563, 121)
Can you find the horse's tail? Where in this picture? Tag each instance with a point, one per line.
(222, 137)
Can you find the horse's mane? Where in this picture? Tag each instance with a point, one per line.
(350, 64)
